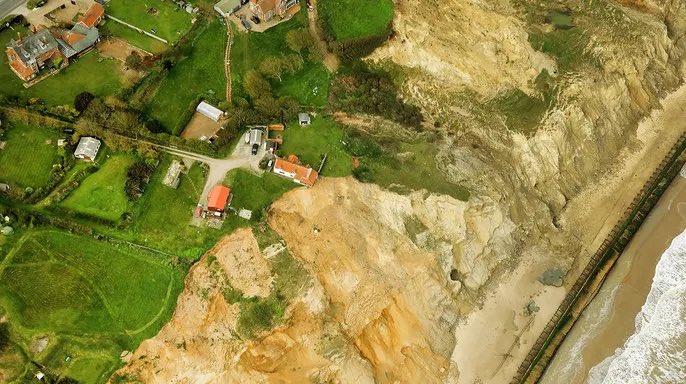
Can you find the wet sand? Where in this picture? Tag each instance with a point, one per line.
(609, 320)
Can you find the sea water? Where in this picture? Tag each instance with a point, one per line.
(656, 352)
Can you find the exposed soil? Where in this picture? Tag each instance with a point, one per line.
(200, 126)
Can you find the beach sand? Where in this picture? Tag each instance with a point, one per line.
(609, 320)
(492, 342)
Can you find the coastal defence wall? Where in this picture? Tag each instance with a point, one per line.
(600, 264)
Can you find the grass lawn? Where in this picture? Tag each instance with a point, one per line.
(201, 73)
(350, 19)
(310, 85)
(254, 192)
(28, 156)
(136, 38)
(249, 49)
(170, 22)
(90, 298)
(85, 74)
(164, 215)
(311, 142)
(90, 73)
(102, 193)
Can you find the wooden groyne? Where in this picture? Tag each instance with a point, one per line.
(585, 287)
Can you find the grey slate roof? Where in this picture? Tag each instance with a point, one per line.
(33, 46)
(92, 36)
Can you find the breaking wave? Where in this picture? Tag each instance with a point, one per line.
(655, 353)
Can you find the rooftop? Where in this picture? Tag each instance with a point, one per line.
(303, 175)
(88, 148)
(217, 198)
(92, 16)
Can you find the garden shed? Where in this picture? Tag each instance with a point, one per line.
(87, 149)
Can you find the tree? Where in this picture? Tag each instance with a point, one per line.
(299, 39)
(134, 61)
(4, 336)
(256, 85)
(273, 67)
(83, 100)
(292, 63)
(167, 64)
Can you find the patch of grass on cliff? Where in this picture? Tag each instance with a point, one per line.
(401, 166)
(524, 112)
(565, 45)
(260, 314)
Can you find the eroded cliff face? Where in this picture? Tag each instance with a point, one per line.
(381, 304)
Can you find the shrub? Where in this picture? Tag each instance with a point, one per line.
(4, 336)
(366, 90)
(83, 100)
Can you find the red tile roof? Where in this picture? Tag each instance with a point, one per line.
(71, 37)
(217, 198)
(23, 71)
(303, 175)
(93, 15)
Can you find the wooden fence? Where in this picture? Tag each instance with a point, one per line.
(543, 349)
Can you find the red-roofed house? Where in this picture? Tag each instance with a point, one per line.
(93, 16)
(265, 10)
(300, 174)
(218, 198)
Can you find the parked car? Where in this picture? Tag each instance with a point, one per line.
(246, 137)
(255, 19)
(255, 147)
(246, 25)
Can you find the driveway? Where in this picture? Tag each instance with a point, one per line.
(7, 6)
(239, 158)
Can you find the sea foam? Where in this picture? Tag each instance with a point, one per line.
(656, 352)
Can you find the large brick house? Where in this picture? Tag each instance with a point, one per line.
(49, 48)
(265, 10)
(28, 55)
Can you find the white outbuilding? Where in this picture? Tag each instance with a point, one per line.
(209, 111)
(87, 149)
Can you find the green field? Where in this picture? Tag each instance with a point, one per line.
(351, 19)
(163, 217)
(90, 73)
(254, 192)
(250, 49)
(310, 85)
(29, 155)
(90, 298)
(311, 142)
(169, 22)
(136, 38)
(201, 73)
(102, 193)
